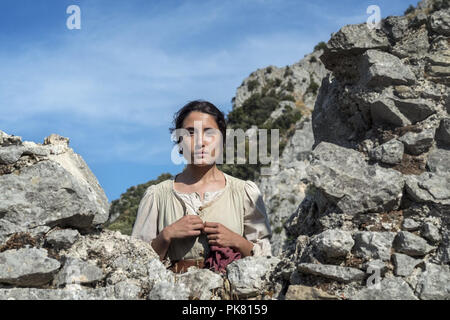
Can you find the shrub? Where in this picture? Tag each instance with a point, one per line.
(252, 84)
(409, 10)
(320, 46)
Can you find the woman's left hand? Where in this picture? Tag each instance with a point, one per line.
(219, 235)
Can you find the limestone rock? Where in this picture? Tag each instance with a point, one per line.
(345, 180)
(333, 243)
(429, 187)
(434, 282)
(390, 152)
(27, 267)
(78, 271)
(248, 276)
(372, 244)
(62, 238)
(404, 264)
(390, 288)
(437, 161)
(417, 143)
(200, 282)
(440, 22)
(300, 292)
(443, 132)
(47, 194)
(381, 69)
(338, 273)
(410, 244)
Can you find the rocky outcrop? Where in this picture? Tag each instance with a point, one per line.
(374, 222)
(46, 185)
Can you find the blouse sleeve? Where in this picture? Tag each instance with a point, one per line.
(145, 226)
(256, 223)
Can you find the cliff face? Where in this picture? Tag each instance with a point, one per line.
(377, 202)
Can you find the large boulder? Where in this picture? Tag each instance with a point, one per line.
(47, 185)
(27, 267)
(343, 179)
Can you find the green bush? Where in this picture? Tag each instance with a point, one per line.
(409, 10)
(252, 84)
(128, 204)
(288, 72)
(320, 46)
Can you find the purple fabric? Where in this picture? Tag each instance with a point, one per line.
(220, 257)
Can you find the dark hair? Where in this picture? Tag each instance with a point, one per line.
(200, 106)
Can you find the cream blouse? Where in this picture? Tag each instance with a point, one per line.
(256, 224)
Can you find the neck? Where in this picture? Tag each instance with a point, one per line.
(204, 173)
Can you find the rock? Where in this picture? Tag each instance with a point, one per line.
(404, 264)
(27, 267)
(390, 152)
(437, 161)
(357, 38)
(414, 43)
(390, 288)
(384, 111)
(248, 276)
(126, 290)
(395, 26)
(122, 258)
(381, 69)
(201, 283)
(447, 104)
(79, 272)
(338, 273)
(10, 155)
(434, 282)
(443, 132)
(333, 243)
(377, 264)
(431, 232)
(440, 22)
(157, 272)
(169, 291)
(417, 143)
(62, 238)
(8, 140)
(47, 194)
(328, 121)
(410, 224)
(415, 110)
(374, 245)
(343, 179)
(429, 187)
(300, 292)
(410, 244)
(106, 293)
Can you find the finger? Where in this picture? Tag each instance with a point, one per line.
(194, 232)
(195, 219)
(213, 236)
(211, 224)
(198, 226)
(210, 230)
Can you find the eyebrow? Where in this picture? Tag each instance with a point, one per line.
(206, 128)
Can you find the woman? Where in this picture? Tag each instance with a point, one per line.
(202, 207)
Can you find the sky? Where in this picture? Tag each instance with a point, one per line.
(113, 85)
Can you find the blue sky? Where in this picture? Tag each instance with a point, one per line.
(113, 86)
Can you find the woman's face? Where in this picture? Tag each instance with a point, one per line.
(202, 139)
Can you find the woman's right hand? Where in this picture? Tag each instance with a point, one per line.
(188, 226)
